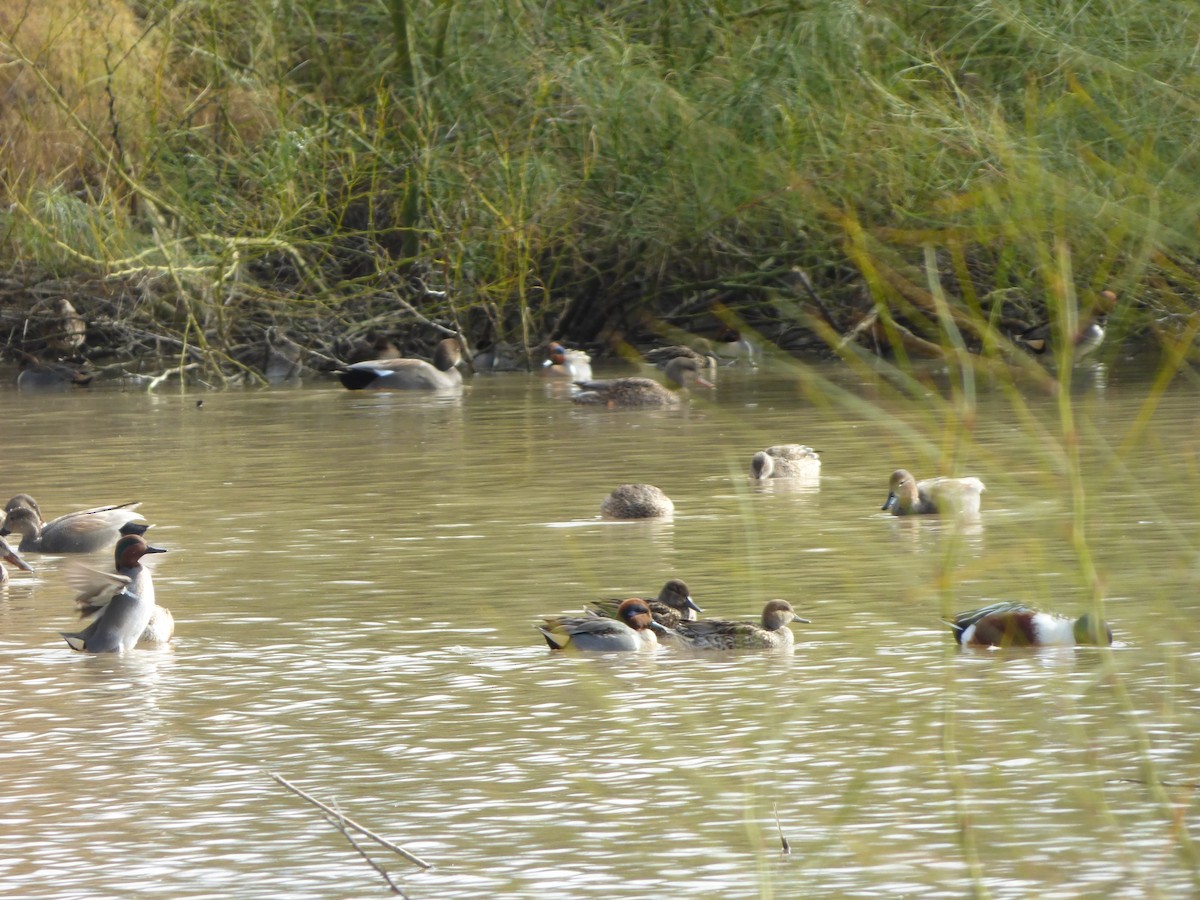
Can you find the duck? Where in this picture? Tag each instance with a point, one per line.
(785, 461)
(85, 531)
(124, 600)
(67, 329)
(637, 501)
(638, 393)
(408, 374)
(674, 604)
(1085, 340)
(10, 556)
(36, 376)
(771, 633)
(907, 496)
(701, 352)
(160, 629)
(632, 630)
(735, 346)
(1017, 625)
(563, 363)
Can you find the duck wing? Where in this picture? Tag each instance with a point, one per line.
(95, 588)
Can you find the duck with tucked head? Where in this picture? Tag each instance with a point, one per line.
(85, 531)
(632, 630)
(907, 496)
(674, 604)
(637, 501)
(1018, 625)
(641, 393)
(408, 374)
(771, 633)
(701, 352)
(785, 461)
(10, 556)
(574, 365)
(124, 600)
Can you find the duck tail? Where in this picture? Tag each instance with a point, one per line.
(74, 640)
(553, 640)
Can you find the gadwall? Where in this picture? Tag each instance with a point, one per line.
(124, 600)
(1018, 625)
(408, 374)
(907, 496)
(724, 634)
(10, 556)
(633, 629)
(637, 501)
(674, 604)
(574, 365)
(85, 531)
(637, 392)
(785, 461)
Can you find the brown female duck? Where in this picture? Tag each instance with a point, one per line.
(642, 393)
(722, 634)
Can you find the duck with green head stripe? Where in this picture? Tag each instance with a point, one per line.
(124, 600)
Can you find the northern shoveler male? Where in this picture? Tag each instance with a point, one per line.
(1017, 625)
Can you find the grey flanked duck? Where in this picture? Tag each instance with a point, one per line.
(785, 461)
(10, 556)
(637, 501)
(1018, 625)
(953, 496)
(640, 393)
(85, 531)
(408, 374)
(632, 630)
(674, 604)
(124, 600)
(771, 633)
(702, 353)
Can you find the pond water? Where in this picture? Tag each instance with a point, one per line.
(356, 577)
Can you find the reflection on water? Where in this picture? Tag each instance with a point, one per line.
(356, 579)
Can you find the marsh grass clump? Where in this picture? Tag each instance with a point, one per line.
(606, 173)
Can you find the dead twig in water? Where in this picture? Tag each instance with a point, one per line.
(332, 813)
(341, 826)
(783, 842)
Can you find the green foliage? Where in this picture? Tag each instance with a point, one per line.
(637, 158)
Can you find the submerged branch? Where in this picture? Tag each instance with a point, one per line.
(361, 829)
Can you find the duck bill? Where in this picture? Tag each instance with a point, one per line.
(889, 502)
(704, 382)
(156, 550)
(805, 621)
(689, 603)
(15, 560)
